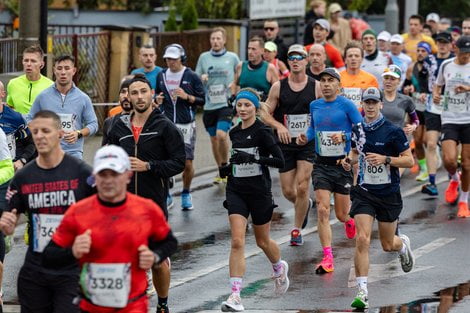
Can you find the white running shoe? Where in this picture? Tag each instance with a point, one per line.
(150, 287)
(407, 259)
(281, 282)
(233, 304)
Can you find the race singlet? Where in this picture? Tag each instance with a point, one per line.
(44, 226)
(106, 284)
(247, 169)
(455, 102)
(11, 142)
(376, 174)
(67, 121)
(353, 94)
(187, 130)
(297, 124)
(327, 147)
(217, 93)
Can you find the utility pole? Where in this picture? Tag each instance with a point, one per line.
(30, 23)
(391, 17)
(411, 7)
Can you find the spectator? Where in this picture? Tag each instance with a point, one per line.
(340, 27)
(271, 33)
(270, 53)
(318, 10)
(384, 41)
(415, 35)
(432, 19)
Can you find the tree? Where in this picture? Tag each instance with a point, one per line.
(189, 16)
(170, 24)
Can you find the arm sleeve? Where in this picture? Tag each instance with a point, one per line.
(276, 160)
(164, 248)
(414, 119)
(89, 117)
(55, 256)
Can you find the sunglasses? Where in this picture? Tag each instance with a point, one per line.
(295, 57)
(269, 28)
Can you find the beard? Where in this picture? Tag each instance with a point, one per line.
(143, 109)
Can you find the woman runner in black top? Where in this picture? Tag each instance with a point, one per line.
(254, 148)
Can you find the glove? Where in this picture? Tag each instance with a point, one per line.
(231, 101)
(225, 170)
(241, 157)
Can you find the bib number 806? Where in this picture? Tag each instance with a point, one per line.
(374, 169)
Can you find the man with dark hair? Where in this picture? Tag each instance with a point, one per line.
(24, 89)
(44, 189)
(271, 33)
(71, 104)
(415, 35)
(148, 56)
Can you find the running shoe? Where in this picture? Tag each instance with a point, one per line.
(360, 301)
(325, 266)
(407, 259)
(422, 176)
(150, 287)
(415, 168)
(217, 180)
(233, 304)
(162, 308)
(186, 201)
(350, 228)
(281, 282)
(463, 209)
(169, 201)
(430, 189)
(452, 191)
(296, 238)
(310, 205)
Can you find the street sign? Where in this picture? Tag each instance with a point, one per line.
(263, 9)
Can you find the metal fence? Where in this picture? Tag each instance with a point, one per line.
(9, 60)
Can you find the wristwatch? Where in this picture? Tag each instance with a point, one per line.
(149, 167)
(80, 135)
(388, 160)
(156, 260)
(23, 160)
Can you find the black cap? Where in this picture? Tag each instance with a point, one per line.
(463, 43)
(332, 72)
(444, 36)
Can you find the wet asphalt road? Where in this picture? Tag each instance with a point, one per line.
(200, 268)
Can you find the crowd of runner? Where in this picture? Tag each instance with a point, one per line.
(345, 116)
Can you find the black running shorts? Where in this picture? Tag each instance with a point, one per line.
(332, 178)
(383, 208)
(259, 206)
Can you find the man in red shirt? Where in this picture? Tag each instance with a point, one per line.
(101, 233)
(321, 29)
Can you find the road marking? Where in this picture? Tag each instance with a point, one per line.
(392, 269)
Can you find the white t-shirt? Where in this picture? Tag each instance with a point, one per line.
(173, 81)
(377, 66)
(456, 106)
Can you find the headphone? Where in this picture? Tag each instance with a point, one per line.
(180, 48)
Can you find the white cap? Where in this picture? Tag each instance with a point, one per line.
(384, 35)
(397, 38)
(111, 158)
(323, 24)
(172, 52)
(433, 17)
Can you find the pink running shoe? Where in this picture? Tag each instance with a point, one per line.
(350, 228)
(325, 266)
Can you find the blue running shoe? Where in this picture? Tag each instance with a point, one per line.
(186, 201)
(430, 190)
(169, 201)
(296, 238)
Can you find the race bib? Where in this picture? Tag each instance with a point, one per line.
(297, 124)
(353, 94)
(44, 226)
(67, 121)
(11, 142)
(419, 105)
(376, 174)
(187, 130)
(326, 145)
(217, 94)
(106, 284)
(247, 169)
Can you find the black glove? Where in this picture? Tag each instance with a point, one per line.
(225, 170)
(240, 157)
(231, 101)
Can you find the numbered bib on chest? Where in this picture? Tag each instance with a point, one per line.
(67, 121)
(106, 284)
(297, 124)
(326, 145)
(44, 226)
(187, 130)
(11, 145)
(353, 94)
(420, 105)
(247, 169)
(217, 94)
(376, 174)
(455, 102)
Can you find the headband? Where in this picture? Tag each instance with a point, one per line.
(424, 45)
(245, 94)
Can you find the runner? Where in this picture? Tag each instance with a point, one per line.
(71, 104)
(316, 59)
(288, 113)
(353, 79)
(156, 153)
(383, 41)
(398, 57)
(148, 56)
(332, 121)
(95, 237)
(255, 73)
(6, 174)
(270, 56)
(455, 75)
(216, 68)
(23, 90)
(179, 91)
(374, 61)
(432, 117)
(249, 193)
(44, 189)
(377, 195)
(415, 36)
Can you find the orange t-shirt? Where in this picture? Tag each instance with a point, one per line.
(353, 85)
(115, 111)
